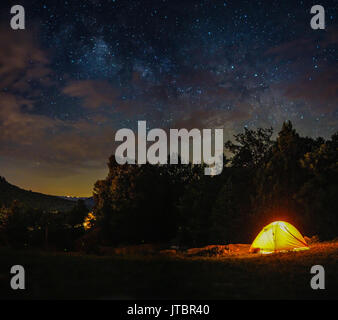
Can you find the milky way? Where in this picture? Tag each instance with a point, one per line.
(82, 70)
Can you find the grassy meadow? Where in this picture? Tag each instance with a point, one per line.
(241, 276)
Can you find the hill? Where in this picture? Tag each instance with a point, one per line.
(9, 193)
(89, 201)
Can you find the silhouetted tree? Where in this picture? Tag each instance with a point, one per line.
(318, 194)
(136, 204)
(251, 148)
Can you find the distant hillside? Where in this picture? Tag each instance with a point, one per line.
(89, 201)
(9, 193)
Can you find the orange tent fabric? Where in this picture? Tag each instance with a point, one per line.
(278, 236)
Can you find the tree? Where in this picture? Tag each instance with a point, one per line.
(77, 215)
(281, 177)
(318, 195)
(195, 208)
(136, 204)
(232, 211)
(252, 148)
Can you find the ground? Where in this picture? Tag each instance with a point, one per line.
(231, 276)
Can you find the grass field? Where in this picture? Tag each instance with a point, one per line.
(75, 276)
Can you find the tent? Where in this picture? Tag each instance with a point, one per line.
(278, 236)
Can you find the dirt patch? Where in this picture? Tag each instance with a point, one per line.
(239, 248)
(150, 249)
(211, 250)
(219, 250)
(142, 249)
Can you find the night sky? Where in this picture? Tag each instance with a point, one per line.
(83, 69)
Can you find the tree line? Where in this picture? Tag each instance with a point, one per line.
(289, 178)
(22, 226)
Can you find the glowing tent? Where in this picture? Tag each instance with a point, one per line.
(278, 236)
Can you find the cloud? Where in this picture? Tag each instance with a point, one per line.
(314, 85)
(40, 138)
(21, 60)
(305, 46)
(321, 91)
(17, 126)
(94, 93)
(205, 119)
(37, 138)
